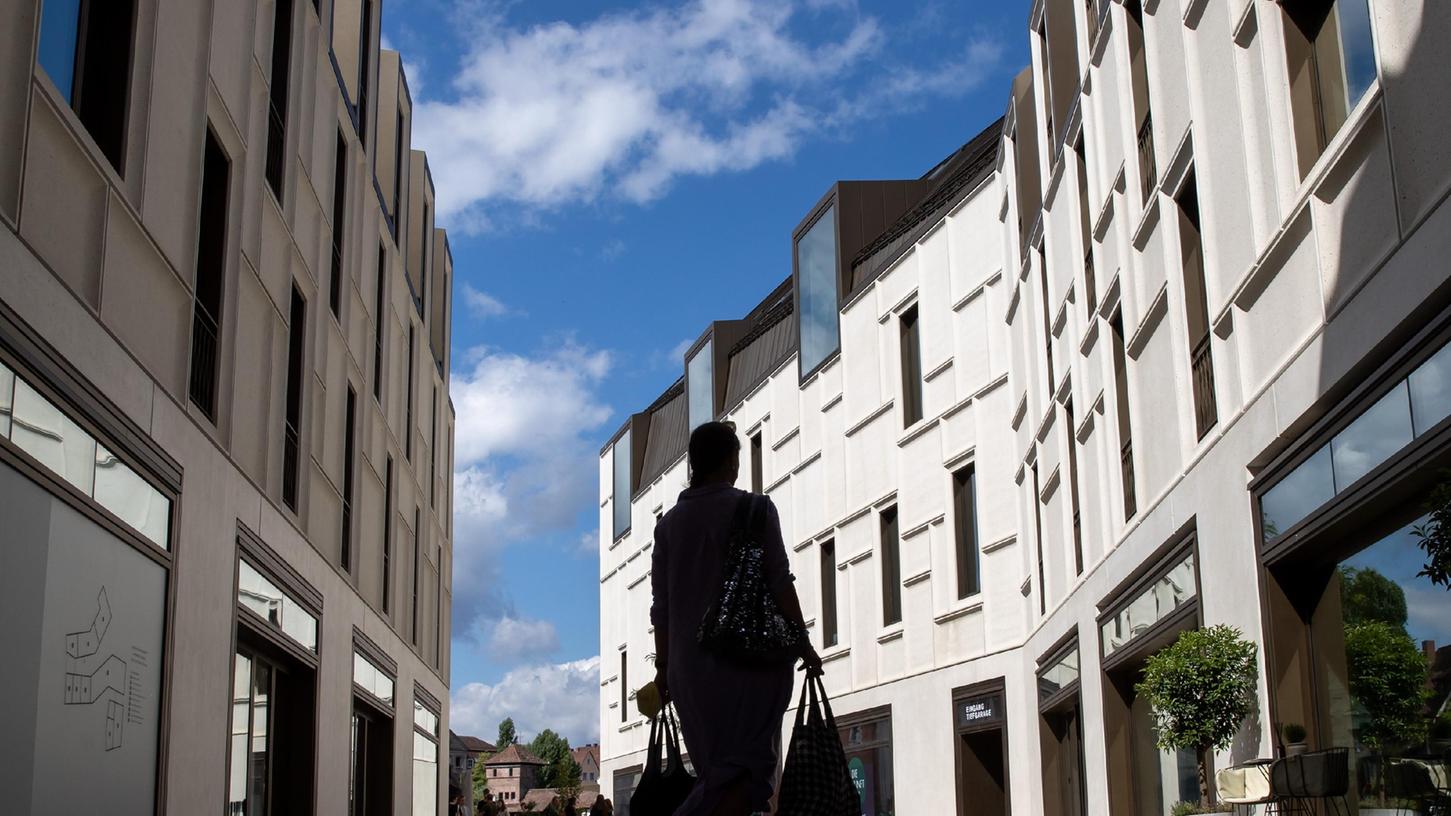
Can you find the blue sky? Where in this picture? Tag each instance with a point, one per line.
(613, 177)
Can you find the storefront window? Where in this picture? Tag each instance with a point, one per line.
(261, 595)
(83, 656)
(1410, 409)
(372, 679)
(625, 782)
(1062, 673)
(868, 746)
(1154, 603)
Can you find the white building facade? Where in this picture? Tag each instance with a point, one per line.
(1162, 349)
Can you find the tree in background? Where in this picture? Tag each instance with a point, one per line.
(507, 736)
(560, 769)
(1201, 689)
(481, 779)
(1366, 596)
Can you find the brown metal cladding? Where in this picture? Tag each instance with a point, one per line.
(668, 434)
(753, 359)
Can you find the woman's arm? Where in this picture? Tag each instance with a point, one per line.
(660, 610)
(783, 586)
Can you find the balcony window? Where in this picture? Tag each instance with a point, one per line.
(700, 385)
(1331, 57)
(621, 485)
(816, 272)
(891, 568)
(964, 502)
(277, 93)
(85, 49)
(829, 635)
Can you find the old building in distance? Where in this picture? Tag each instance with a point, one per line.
(225, 433)
(1163, 348)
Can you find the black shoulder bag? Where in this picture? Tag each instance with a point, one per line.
(743, 622)
(664, 785)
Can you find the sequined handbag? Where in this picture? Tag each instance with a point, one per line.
(743, 622)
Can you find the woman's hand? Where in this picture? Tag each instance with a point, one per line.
(810, 661)
(662, 684)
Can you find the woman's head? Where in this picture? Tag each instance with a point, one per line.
(715, 454)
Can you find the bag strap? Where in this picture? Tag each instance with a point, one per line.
(825, 702)
(672, 739)
(801, 704)
(740, 520)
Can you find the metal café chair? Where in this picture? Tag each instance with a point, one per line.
(1297, 781)
(1244, 786)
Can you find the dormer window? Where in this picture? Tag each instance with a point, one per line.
(816, 278)
(700, 385)
(622, 485)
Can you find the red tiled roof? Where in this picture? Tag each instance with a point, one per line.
(477, 746)
(515, 755)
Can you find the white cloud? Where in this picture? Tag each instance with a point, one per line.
(482, 304)
(626, 103)
(515, 640)
(525, 462)
(561, 696)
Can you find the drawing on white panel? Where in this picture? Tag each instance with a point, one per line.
(91, 678)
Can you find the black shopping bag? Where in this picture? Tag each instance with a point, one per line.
(662, 790)
(815, 780)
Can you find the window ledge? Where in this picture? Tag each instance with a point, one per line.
(835, 653)
(916, 430)
(974, 605)
(895, 633)
(918, 578)
(1000, 544)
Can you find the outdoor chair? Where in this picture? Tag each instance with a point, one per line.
(1244, 785)
(1318, 775)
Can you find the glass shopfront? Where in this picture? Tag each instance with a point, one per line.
(1060, 732)
(980, 717)
(1358, 615)
(1141, 619)
(867, 738)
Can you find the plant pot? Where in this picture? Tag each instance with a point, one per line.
(1295, 749)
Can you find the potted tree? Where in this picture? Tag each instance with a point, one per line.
(1388, 681)
(1201, 689)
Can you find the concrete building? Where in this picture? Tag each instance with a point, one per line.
(512, 774)
(225, 437)
(1164, 348)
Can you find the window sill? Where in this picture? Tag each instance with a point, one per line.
(835, 653)
(916, 430)
(974, 604)
(894, 633)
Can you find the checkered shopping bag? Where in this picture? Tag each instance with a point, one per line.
(815, 781)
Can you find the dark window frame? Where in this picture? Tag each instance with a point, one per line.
(909, 336)
(965, 532)
(350, 434)
(279, 81)
(889, 532)
(292, 418)
(209, 281)
(830, 632)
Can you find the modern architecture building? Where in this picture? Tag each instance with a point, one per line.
(1163, 348)
(225, 436)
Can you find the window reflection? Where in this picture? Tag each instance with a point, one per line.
(816, 276)
(1306, 488)
(425, 776)
(1431, 391)
(869, 761)
(43, 431)
(7, 395)
(372, 679)
(1161, 778)
(131, 497)
(1062, 673)
(1371, 439)
(621, 486)
(261, 695)
(241, 725)
(256, 592)
(700, 381)
(1358, 47)
(1151, 606)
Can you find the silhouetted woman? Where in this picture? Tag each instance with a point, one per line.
(731, 715)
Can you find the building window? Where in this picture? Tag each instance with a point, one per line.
(1139, 77)
(1052, 384)
(1331, 57)
(621, 485)
(277, 91)
(398, 177)
(340, 193)
(370, 779)
(700, 385)
(964, 504)
(85, 49)
(280, 609)
(271, 736)
(408, 429)
(1090, 284)
(211, 265)
(891, 569)
(1121, 401)
(388, 536)
(624, 685)
(1061, 734)
(910, 338)
(380, 323)
(1196, 308)
(867, 739)
(417, 569)
(425, 760)
(1038, 538)
(829, 634)
(423, 247)
(1072, 440)
(365, 60)
(291, 439)
(817, 281)
(350, 433)
(433, 452)
(757, 465)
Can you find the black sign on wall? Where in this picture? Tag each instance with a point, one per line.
(979, 712)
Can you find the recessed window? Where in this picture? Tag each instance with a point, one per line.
(211, 263)
(408, 429)
(1331, 57)
(291, 430)
(417, 570)
(829, 634)
(85, 49)
(379, 322)
(700, 385)
(1196, 308)
(964, 503)
(350, 433)
(757, 463)
(277, 93)
(816, 273)
(388, 536)
(910, 338)
(1121, 402)
(891, 568)
(340, 199)
(425, 760)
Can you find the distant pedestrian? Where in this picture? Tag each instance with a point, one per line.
(602, 807)
(730, 712)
